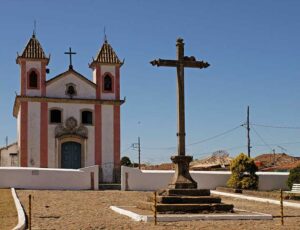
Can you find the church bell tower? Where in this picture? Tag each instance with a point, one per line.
(106, 75)
(33, 62)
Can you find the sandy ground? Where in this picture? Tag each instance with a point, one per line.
(90, 210)
(8, 212)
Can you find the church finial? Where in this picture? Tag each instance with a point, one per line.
(34, 29)
(105, 37)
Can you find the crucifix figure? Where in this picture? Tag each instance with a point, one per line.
(70, 54)
(182, 178)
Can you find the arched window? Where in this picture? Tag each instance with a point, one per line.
(55, 116)
(87, 117)
(33, 80)
(107, 83)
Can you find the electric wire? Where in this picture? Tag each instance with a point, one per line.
(216, 136)
(197, 142)
(260, 137)
(282, 143)
(227, 132)
(276, 127)
(122, 152)
(225, 149)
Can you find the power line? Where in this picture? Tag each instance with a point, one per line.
(282, 143)
(126, 149)
(197, 142)
(260, 137)
(229, 131)
(208, 153)
(159, 148)
(276, 127)
(213, 137)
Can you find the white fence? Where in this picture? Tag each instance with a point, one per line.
(149, 180)
(49, 178)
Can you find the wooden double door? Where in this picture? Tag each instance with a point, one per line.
(71, 155)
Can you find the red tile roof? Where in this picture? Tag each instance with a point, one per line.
(288, 166)
(33, 50)
(107, 55)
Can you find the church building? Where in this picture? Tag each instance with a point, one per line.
(69, 121)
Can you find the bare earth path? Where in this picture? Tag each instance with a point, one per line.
(90, 210)
(8, 212)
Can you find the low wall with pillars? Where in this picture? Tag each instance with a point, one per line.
(150, 180)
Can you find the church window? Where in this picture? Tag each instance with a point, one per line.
(107, 83)
(33, 80)
(55, 116)
(87, 117)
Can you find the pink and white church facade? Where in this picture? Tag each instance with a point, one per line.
(69, 121)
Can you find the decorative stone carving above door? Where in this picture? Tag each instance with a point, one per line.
(71, 128)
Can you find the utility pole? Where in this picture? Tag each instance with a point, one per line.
(248, 132)
(139, 149)
(138, 146)
(274, 156)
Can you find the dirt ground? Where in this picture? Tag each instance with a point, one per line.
(8, 212)
(90, 210)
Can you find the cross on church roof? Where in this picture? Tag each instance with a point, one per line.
(70, 54)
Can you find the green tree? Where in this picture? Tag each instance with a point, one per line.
(243, 171)
(125, 161)
(294, 177)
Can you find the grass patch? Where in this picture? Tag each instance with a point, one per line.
(8, 212)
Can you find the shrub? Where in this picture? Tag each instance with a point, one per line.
(294, 177)
(125, 161)
(243, 171)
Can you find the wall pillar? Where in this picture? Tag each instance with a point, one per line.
(98, 135)
(24, 134)
(44, 135)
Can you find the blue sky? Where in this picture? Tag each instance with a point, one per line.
(253, 48)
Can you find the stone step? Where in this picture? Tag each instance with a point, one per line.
(109, 186)
(186, 208)
(187, 192)
(185, 199)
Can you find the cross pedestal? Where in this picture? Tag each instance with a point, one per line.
(182, 178)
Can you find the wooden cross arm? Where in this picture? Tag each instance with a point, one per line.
(175, 63)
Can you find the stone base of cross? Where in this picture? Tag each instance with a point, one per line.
(182, 178)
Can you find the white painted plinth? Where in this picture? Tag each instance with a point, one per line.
(191, 217)
(21, 214)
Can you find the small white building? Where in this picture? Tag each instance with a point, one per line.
(9, 155)
(69, 121)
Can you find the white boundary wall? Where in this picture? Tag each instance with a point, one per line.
(150, 180)
(48, 178)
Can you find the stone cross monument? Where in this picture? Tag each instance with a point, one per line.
(182, 178)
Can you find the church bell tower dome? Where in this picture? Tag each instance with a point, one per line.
(33, 62)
